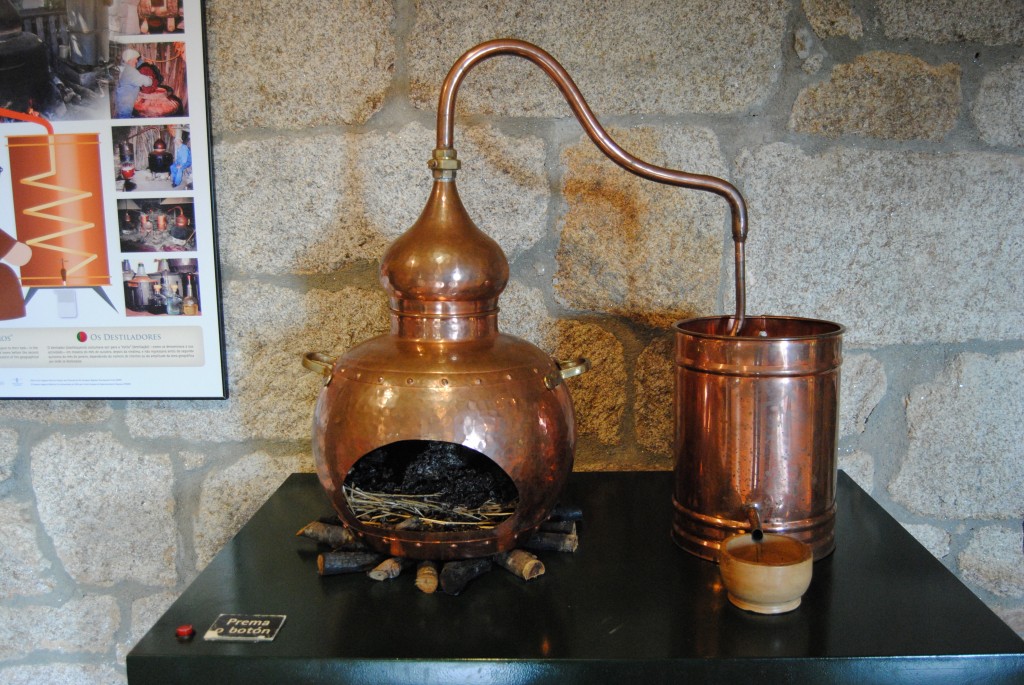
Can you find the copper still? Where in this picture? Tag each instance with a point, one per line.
(445, 373)
(160, 159)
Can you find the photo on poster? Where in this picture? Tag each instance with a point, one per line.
(156, 224)
(150, 80)
(70, 60)
(162, 287)
(152, 158)
(146, 17)
(105, 202)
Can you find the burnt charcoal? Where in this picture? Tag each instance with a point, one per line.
(433, 469)
(459, 475)
(374, 473)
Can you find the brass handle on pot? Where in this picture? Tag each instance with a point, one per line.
(322, 363)
(573, 367)
(567, 369)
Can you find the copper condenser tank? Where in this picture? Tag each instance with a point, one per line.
(58, 205)
(755, 430)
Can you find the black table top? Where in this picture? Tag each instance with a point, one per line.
(628, 606)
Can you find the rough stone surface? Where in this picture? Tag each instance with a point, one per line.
(62, 674)
(8, 452)
(79, 625)
(633, 56)
(994, 559)
(831, 18)
(283, 64)
(965, 458)
(903, 229)
(654, 388)
(808, 49)
(599, 396)
(994, 22)
(90, 485)
(882, 95)
(229, 497)
(271, 395)
(25, 570)
(524, 314)
(860, 466)
(349, 196)
(320, 226)
(193, 460)
(640, 249)
(56, 411)
(145, 613)
(999, 106)
(934, 539)
(862, 386)
(836, 233)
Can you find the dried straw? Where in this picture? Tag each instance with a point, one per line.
(423, 512)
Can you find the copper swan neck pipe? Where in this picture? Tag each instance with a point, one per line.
(604, 142)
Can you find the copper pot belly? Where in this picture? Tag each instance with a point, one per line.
(491, 395)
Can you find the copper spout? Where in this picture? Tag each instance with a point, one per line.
(754, 515)
(445, 157)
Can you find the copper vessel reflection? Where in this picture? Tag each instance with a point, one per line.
(756, 430)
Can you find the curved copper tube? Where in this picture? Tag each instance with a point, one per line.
(604, 142)
(22, 116)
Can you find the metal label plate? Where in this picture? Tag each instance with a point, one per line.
(245, 628)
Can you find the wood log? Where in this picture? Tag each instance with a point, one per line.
(388, 569)
(566, 512)
(563, 527)
(426, 577)
(336, 536)
(456, 575)
(411, 523)
(551, 542)
(333, 563)
(520, 563)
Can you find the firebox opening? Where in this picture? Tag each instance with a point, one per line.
(429, 485)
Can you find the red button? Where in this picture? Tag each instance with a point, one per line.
(185, 631)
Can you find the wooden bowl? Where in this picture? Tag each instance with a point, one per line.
(766, 576)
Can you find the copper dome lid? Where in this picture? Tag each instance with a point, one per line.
(444, 264)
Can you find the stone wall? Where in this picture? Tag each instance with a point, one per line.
(880, 145)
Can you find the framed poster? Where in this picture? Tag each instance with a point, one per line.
(109, 282)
